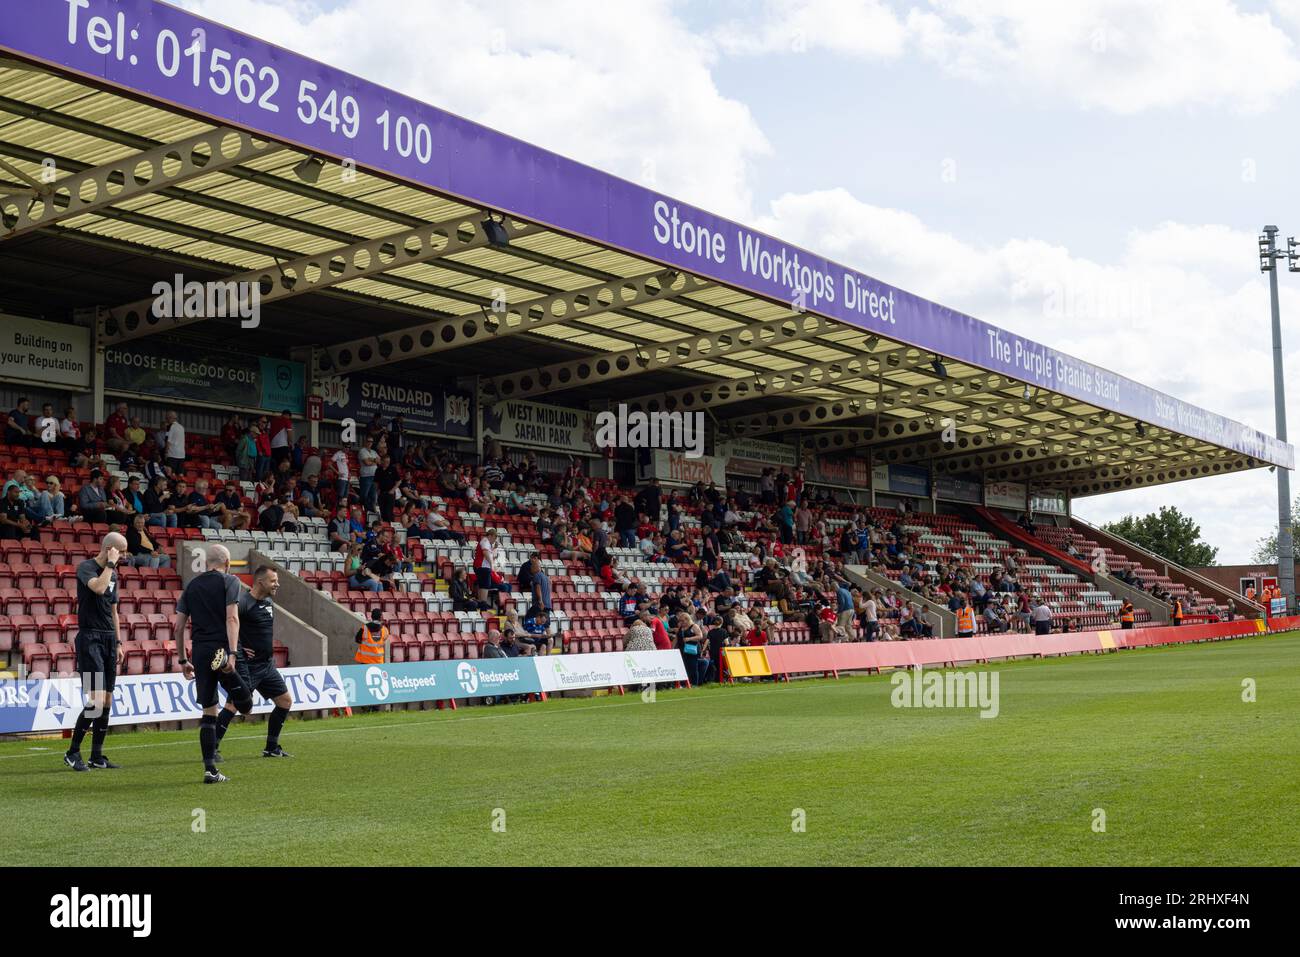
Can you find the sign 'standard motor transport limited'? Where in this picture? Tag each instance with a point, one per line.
(158, 51)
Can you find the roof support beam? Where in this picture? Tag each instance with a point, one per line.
(527, 316)
(814, 375)
(893, 400)
(316, 273)
(144, 172)
(655, 356)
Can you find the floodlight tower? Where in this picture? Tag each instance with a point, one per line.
(1269, 255)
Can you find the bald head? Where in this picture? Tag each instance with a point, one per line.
(113, 540)
(218, 557)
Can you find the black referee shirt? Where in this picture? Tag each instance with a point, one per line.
(95, 612)
(205, 600)
(256, 624)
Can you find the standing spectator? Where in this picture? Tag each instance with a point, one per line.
(485, 558)
(246, 454)
(397, 437)
(342, 474)
(368, 465)
(281, 436)
(639, 637)
(387, 478)
(1041, 616)
(785, 522)
(174, 447)
(262, 441)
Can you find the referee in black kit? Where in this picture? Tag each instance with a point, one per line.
(99, 652)
(210, 603)
(256, 660)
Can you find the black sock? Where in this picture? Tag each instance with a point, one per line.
(82, 726)
(208, 740)
(97, 734)
(273, 726)
(224, 718)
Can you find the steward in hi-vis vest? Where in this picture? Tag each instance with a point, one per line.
(965, 621)
(371, 639)
(1126, 615)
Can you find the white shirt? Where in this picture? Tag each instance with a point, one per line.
(340, 461)
(175, 441)
(70, 429)
(368, 459)
(871, 609)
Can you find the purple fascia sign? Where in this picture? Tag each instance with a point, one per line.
(169, 55)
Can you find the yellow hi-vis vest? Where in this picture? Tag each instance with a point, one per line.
(1126, 612)
(965, 621)
(371, 649)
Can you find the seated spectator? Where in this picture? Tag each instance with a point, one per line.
(463, 597)
(538, 630)
(492, 646)
(45, 428)
(114, 431)
(143, 551)
(14, 523)
(47, 505)
(92, 500)
(994, 618)
(309, 500)
(193, 510)
(340, 530)
(69, 428)
(158, 504)
(277, 515)
(230, 510)
(435, 527)
(376, 575)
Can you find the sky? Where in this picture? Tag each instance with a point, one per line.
(1092, 175)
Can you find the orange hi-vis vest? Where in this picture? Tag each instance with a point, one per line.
(965, 621)
(1178, 609)
(1126, 611)
(371, 649)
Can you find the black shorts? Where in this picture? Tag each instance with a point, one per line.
(262, 677)
(97, 655)
(206, 680)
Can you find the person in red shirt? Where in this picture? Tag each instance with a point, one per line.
(115, 430)
(662, 641)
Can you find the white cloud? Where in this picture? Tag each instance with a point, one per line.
(1114, 54)
(1160, 314)
(628, 89)
(863, 29)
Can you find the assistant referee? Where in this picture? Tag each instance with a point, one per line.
(210, 603)
(99, 650)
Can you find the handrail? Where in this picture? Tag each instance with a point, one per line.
(1208, 585)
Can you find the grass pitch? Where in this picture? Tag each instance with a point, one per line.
(1186, 772)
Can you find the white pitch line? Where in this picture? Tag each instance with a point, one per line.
(416, 723)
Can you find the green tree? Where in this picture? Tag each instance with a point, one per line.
(1167, 533)
(1266, 547)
